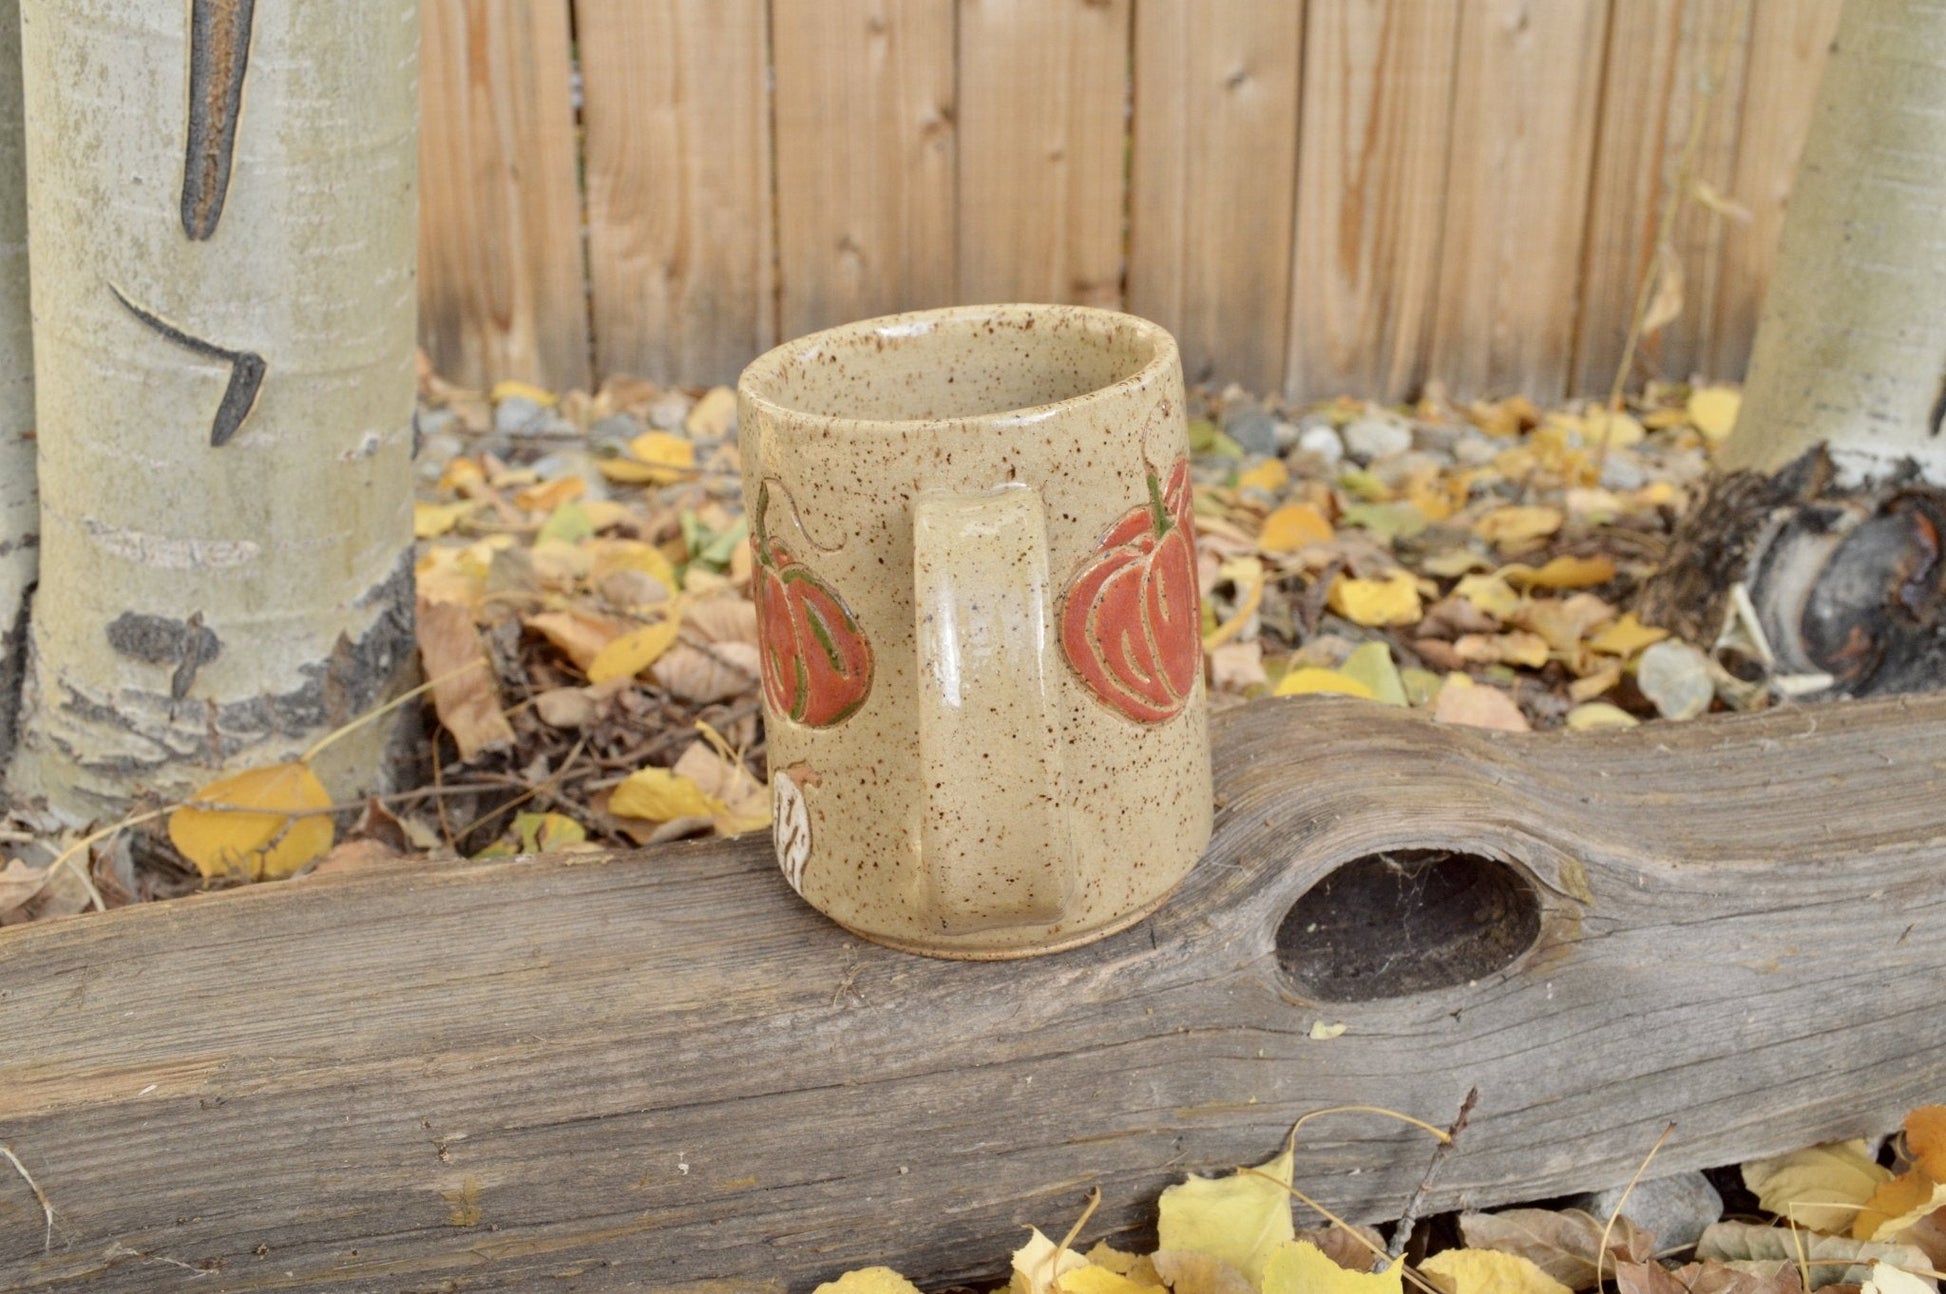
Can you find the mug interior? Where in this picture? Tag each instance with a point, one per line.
(957, 363)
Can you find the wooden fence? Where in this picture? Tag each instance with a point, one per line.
(1321, 196)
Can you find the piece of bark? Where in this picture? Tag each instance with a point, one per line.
(663, 1069)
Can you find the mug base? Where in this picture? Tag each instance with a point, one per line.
(969, 950)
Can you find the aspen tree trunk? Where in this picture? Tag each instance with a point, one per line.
(222, 195)
(1831, 512)
(19, 512)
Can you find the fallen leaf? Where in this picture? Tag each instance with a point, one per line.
(266, 845)
(1490, 594)
(1187, 1272)
(1292, 527)
(545, 496)
(1617, 428)
(1235, 666)
(19, 883)
(712, 416)
(1925, 1140)
(1832, 1259)
(1310, 679)
(509, 389)
(1393, 600)
(1820, 1187)
(1322, 1032)
(465, 693)
(1890, 1280)
(1239, 1219)
(660, 795)
(632, 652)
(1300, 1267)
(1463, 701)
(1595, 683)
(1563, 1243)
(1136, 1267)
(1344, 1247)
(1270, 476)
(579, 635)
(568, 524)
(1371, 665)
(1386, 520)
(869, 1280)
(1038, 1263)
(1564, 622)
(430, 520)
(1516, 648)
(1093, 1279)
(1626, 637)
(1488, 1271)
(669, 457)
(1713, 410)
(1514, 525)
(1561, 573)
(1899, 1204)
(1702, 1278)
(745, 800)
(613, 555)
(1593, 716)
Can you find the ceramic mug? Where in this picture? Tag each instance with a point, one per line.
(978, 618)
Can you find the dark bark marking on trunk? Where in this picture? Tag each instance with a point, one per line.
(158, 640)
(29, 540)
(219, 57)
(247, 370)
(1938, 414)
(13, 671)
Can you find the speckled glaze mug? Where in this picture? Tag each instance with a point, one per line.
(977, 612)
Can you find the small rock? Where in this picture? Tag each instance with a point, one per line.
(573, 462)
(1252, 428)
(1370, 438)
(668, 411)
(1322, 439)
(1672, 1209)
(1622, 471)
(435, 451)
(433, 421)
(1396, 469)
(614, 431)
(1287, 434)
(1438, 437)
(714, 416)
(518, 416)
(1676, 677)
(1474, 450)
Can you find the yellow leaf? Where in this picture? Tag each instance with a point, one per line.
(1516, 648)
(1310, 679)
(634, 651)
(1898, 1204)
(430, 520)
(869, 1280)
(1098, 1280)
(1292, 527)
(626, 471)
(1393, 600)
(1561, 573)
(1713, 410)
(1038, 1263)
(664, 449)
(1240, 1219)
(1322, 1032)
(1592, 715)
(1300, 1267)
(258, 846)
(1626, 637)
(1488, 1271)
(633, 555)
(1510, 526)
(579, 635)
(1489, 593)
(1270, 475)
(1618, 427)
(549, 495)
(1925, 1140)
(1820, 1187)
(510, 390)
(1371, 664)
(1136, 1267)
(661, 796)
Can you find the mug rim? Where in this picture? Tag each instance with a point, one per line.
(1163, 357)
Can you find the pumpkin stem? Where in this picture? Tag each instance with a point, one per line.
(1163, 521)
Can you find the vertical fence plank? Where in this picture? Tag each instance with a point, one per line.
(1789, 40)
(1214, 176)
(1524, 109)
(1372, 173)
(501, 291)
(1661, 53)
(1043, 124)
(680, 240)
(865, 158)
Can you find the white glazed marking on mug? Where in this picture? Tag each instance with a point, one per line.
(790, 828)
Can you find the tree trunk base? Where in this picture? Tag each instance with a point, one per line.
(1844, 581)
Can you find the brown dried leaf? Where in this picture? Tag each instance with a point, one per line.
(465, 694)
(1452, 617)
(1561, 1242)
(1341, 1247)
(1703, 1278)
(19, 883)
(580, 635)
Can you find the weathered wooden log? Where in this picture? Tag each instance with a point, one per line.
(660, 1069)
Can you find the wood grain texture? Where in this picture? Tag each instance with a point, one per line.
(1043, 116)
(501, 291)
(1214, 181)
(661, 1068)
(866, 158)
(1377, 131)
(1789, 41)
(680, 239)
(1524, 110)
(1661, 56)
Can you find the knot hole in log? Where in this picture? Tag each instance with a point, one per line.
(1407, 921)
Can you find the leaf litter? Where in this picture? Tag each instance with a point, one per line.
(585, 616)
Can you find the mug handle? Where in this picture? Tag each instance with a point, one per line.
(994, 834)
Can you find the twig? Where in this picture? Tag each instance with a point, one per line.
(1627, 1191)
(47, 1245)
(552, 779)
(1410, 1218)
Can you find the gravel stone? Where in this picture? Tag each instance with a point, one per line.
(1370, 438)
